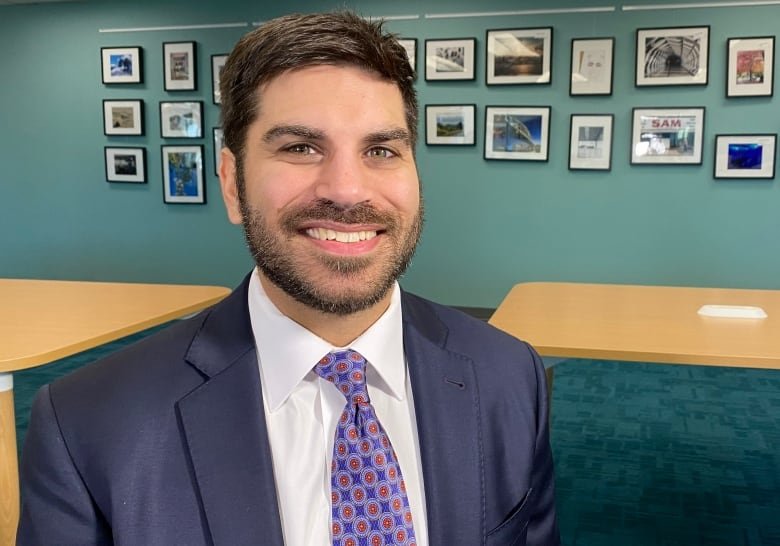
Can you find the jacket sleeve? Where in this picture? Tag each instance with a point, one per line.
(56, 506)
(543, 525)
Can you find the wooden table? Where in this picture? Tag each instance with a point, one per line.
(42, 321)
(642, 323)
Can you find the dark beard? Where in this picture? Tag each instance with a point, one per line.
(270, 255)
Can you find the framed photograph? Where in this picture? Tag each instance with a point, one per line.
(217, 64)
(667, 136)
(410, 45)
(450, 59)
(450, 124)
(218, 143)
(179, 66)
(590, 145)
(517, 132)
(672, 56)
(519, 56)
(181, 119)
(591, 66)
(121, 64)
(125, 164)
(183, 174)
(745, 156)
(123, 117)
(751, 67)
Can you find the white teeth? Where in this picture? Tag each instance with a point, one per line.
(341, 236)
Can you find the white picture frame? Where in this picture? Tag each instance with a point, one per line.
(410, 46)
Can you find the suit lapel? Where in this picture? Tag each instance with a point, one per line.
(224, 428)
(447, 408)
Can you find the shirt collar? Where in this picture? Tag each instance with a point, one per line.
(287, 351)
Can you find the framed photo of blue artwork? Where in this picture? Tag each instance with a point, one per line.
(121, 64)
(745, 156)
(183, 174)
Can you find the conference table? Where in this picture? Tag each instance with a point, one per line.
(660, 324)
(42, 321)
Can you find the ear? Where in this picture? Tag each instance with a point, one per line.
(227, 180)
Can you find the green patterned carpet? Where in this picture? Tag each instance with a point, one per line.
(645, 454)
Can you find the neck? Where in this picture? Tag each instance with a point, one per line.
(338, 330)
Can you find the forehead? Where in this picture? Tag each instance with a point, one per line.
(331, 93)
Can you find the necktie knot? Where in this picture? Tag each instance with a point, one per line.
(346, 370)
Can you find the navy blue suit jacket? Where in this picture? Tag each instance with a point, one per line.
(164, 443)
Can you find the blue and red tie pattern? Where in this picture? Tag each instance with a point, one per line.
(368, 494)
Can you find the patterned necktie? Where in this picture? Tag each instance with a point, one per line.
(368, 494)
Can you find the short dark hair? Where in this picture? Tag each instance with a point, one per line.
(304, 40)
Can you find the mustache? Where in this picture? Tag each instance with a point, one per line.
(323, 209)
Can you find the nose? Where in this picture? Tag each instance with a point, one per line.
(343, 180)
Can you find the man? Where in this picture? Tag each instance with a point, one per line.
(228, 429)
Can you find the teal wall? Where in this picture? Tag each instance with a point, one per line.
(489, 224)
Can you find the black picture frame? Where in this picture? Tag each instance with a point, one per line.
(450, 124)
(217, 64)
(121, 65)
(181, 119)
(667, 135)
(183, 180)
(672, 56)
(517, 133)
(519, 56)
(123, 117)
(745, 156)
(590, 142)
(747, 81)
(592, 66)
(125, 164)
(180, 66)
(218, 141)
(410, 46)
(451, 59)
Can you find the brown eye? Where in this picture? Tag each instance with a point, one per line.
(381, 153)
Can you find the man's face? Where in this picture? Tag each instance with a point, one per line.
(331, 204)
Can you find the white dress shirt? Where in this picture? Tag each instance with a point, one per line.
(302, 409)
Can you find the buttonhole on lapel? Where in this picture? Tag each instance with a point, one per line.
(460, 384)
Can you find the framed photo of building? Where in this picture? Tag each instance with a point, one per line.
(450, 124)
(519, 56)
(179, 66)
(121, 64)
(181, 119)
(745, 156)
(410, 45)
(667, 136)
(590, 146)
(125, 164)
(123, 117)
(672, 56)
(751, 67)
(517, 132)
(450, 59)
(217, 64)
(183, 174)
(591, 66)
(218, 143)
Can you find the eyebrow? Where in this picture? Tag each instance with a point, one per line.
(302, 131)
(292, 130)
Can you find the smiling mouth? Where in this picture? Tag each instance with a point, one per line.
(323, 234)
